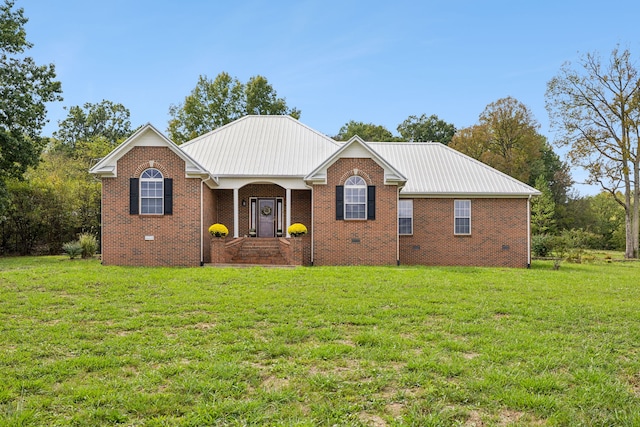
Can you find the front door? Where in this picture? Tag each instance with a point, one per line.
(266, 217)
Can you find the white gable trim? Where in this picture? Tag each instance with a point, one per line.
(356, 148)
(149, 136)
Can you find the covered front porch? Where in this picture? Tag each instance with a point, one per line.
(260, 210)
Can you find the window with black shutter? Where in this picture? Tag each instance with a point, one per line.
(339, 202)
(134, 201)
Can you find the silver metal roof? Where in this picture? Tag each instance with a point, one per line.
(261, 146)
(281, 146)
(433, 168)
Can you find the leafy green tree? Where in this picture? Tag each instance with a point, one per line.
(105, 119)
(262, 99)
(555, 171)
(506, 138)
(472, 140)
(367, 131)
(607, 220)
(214, 103)
(424, 129)
(57, 200)
(514, 142)
(25, 88)
(542, 209)
(576, 213)
(22, 219)
(596, 107)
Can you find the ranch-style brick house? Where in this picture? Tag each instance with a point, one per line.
(363, 203)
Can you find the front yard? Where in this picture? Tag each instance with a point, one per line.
(83, 344)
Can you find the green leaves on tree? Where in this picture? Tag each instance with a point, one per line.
(25, 88)
(424, 129)
(214, 103)
(105, 119)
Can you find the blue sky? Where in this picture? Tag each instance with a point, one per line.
(336, 61)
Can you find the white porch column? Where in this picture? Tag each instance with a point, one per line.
(236, 217)
(288, 204)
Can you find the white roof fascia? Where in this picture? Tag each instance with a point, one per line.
(466, 195)
(108, 166)
(391, 175)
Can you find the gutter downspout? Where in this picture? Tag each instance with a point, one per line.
(101, 221)
(201, 223)
(313, 234)
(397, 226)
(529, 232)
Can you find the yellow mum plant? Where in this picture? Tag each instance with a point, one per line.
(297, 229)
(218, 230)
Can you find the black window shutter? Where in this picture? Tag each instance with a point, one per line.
(371, 202)
(339, 201)
(134, 192)
(168, 196)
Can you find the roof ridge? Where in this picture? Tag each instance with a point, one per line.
(261, 116)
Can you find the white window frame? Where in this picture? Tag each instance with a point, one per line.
(151, 180)
(461, 210)
(355, 194)
(402, 214)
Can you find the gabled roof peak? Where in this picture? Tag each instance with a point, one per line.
(286, 120)
(391, 173)
(149, 136)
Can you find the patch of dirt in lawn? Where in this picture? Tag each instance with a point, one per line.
(372, 420)
(395, 409)
(474, 420)
(634, 382)
(204, 326)
(273, 383)
(509, 417)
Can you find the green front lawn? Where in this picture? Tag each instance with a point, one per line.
(82, 344)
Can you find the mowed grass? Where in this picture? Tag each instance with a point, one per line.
(82, 344)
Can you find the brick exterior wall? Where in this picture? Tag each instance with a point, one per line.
(176, 237)
(498, 226)
(498, 234)
(355, 242)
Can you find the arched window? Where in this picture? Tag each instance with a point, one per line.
(355, 198)
(151, 192)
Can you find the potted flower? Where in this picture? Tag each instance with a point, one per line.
(218, 230)
(297, 229)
